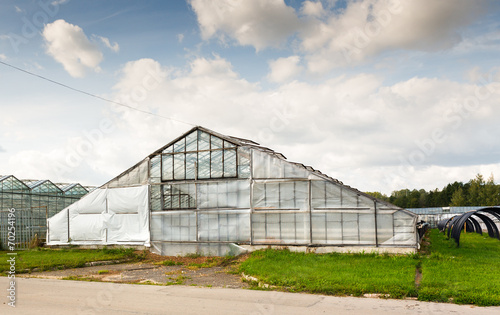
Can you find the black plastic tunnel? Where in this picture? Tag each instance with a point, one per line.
(457, 224)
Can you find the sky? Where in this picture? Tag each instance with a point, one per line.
(379, 94)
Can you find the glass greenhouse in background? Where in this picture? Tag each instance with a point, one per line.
(213, 194)
(34, 202)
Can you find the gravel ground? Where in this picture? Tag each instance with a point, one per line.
(152, 271)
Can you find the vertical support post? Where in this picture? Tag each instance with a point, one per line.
(197, 198)
(309, 205)
(251, 195)
(48, 232)
(196, 222)
(106, 230)
(376, 226)
(69, 238)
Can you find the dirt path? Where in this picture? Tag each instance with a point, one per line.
(195, 271)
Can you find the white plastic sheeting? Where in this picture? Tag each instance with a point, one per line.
(105, 216)
(57, 226)
(396, 228)
(276, 228)
(207, 249)
(281, 194)
(224, 194)
(205, 226)
(224, 226)
(267, 165)
(138, 175)
(173, 226)
(325, 195)
(341, 228)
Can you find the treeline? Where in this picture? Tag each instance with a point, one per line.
(476, 192)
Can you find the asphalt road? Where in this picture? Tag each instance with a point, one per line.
(49, 296)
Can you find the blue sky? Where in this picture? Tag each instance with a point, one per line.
(381, 94)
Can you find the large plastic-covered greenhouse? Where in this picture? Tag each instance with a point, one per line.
(213, 194)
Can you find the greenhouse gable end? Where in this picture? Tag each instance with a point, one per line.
(213, 194)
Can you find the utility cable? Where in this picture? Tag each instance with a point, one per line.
(93, 95)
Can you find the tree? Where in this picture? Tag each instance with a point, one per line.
(458, 199)
(491, 192)
(422, 202)
(476, 191)
(378, 195)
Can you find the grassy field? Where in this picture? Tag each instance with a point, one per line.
(47, 259)
(469, 274)
(337, 274)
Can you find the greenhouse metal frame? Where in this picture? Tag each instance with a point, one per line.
(209, 193)
(33, 202)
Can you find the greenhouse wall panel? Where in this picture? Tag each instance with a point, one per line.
(212, 193)
(33, 202)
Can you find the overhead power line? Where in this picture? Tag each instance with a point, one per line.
(93, 95)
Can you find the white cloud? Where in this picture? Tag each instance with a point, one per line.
(180, 38)
(138, 77)
(58, 2)
(370, 136)
(366, 28)
(352, 127)
(489, 41)
(115, 47)
(312, 8)
(18, 9)
(284, 69)
(3, 57)
(331, 38)
(68, 44)
(259, 23)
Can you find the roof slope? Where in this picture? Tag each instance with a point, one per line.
(244, 143)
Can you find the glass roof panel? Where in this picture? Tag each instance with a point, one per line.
(203, 141)
(45, 187)
(191, 141)
(216, 143)
(228, 144)
(170, 149)
(11, 183)
(180, 146)
(74, 190)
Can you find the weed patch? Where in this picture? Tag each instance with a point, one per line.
(48, 259)
(172, 263)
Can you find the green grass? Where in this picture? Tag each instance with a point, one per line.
(48, 259)
(469, 274)
(172, 263)
(335, 274)
(213, 262)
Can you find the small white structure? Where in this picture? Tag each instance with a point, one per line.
(213, 194)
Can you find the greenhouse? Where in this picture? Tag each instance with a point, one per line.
(34, 201)
(213, 194)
